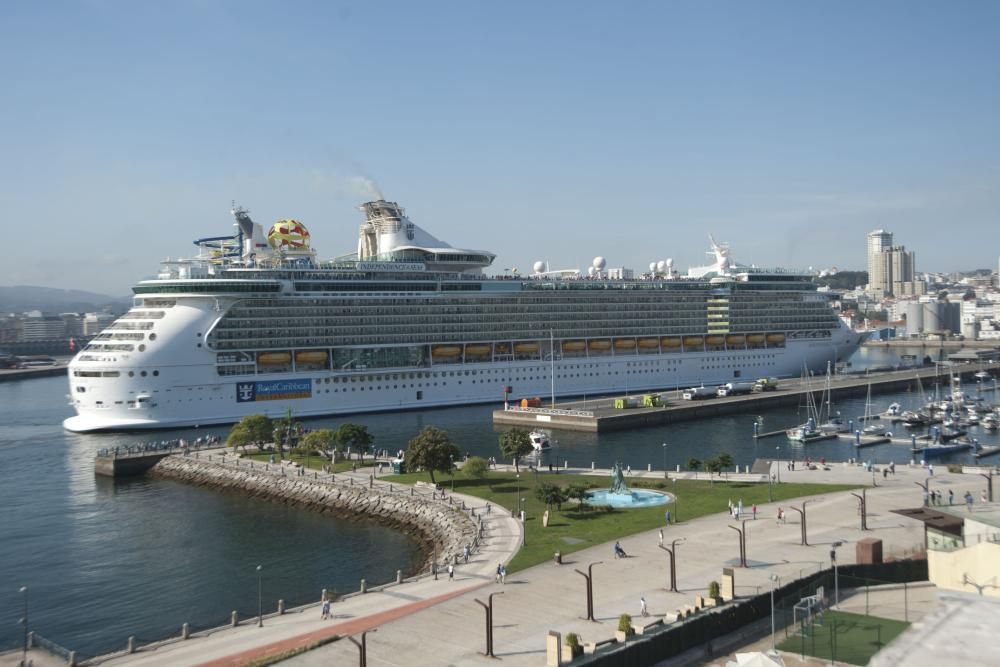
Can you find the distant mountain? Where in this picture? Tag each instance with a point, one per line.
(22, 298)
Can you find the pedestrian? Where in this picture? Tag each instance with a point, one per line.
(466, 552)
(503, 574)
(668, 517)
(488, 508)
(499, 571)
(326, 610)
(451, 572)
(754, 510)
(892, 468)
(885, 473)
(930, 469)
(951, 496)
(642, 607)
(968, 500)
(661, 537)
(739, 507)
(926, 499)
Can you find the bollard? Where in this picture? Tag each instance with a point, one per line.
(411, 491)
(649, 467)
(756, 428)
(130, 648)
(850, 425)
(31, 639)
(557, 557)
(565, 465)
(678, 469)
(281, 607)
(591, 465)
(364, 586)
(322, 595)
(399, 576)
(185, 631)
(857, 437)
(71, 660)
(235, 619)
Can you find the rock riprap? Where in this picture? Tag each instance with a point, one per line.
(441, 528)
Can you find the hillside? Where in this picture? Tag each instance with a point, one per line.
(22, 298)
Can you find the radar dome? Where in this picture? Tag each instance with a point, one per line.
(661, 266)
(591, 270)
(539, 267)
(288, 235)
(670, 262)
(599, 263)
(652, 266)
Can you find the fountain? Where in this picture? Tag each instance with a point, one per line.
(622, 497)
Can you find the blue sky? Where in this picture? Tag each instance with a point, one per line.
(555, 130)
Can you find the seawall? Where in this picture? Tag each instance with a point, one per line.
(441, 529)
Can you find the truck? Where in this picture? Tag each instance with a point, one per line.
(735, 388)
(698, 393)
(766, 384)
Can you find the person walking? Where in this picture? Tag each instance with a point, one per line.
(489, 508)
(451, 572)
(326, 610)
(968, 500)
(642, 607)
(499, 571)
(661, 537)
(754, 510)
(951, 496)
(465, 553)
(503, 574)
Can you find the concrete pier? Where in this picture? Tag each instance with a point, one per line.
(599, 415)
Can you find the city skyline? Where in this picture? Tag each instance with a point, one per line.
(536, 133)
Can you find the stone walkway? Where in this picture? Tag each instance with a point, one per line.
(439, 622)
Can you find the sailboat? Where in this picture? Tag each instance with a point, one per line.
(808, 431)
(871, 429)
(833, 422)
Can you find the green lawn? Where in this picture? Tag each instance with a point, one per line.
(312, 462)
(571, 529)
(845, 637)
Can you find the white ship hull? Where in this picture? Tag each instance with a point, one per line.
(187, 390)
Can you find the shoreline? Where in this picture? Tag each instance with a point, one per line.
(441, 531)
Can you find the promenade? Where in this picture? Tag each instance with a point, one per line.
(428, 622)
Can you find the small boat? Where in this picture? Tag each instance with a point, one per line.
(526, 348)
(983, 375)
(539, 441)
(735, 340)
(311, 357)
(445, 351)
(835, 424)
(693, 341)
(478, 350)
(715, 341)
(600, 344)
(755, 339)
(932, 451)
(670, 342)
(625, 343)
(649, 343)
(990, 422)
(915, 419)
(804, 432)
(776, 338)
(273, 358)
(871, 429)
(574, 345)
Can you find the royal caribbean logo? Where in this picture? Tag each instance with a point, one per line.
(273, 390)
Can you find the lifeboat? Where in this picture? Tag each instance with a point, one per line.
(735, 340)
(273, 358)
(478, 350)
(669, 342)
(649, 343)
(776, 338)
(715, 340)
(625, 343)
(693, 341)
(526, 348)
(574, 345)
(755, 339)
(311, 357)
(503, 348)
(599, 344)
(445, 351)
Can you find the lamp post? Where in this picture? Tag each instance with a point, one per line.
(489, 622)
(836, 580)
(24, 622)
(989, 481)
(589, 576)
(517, 493)
(926, 486)
(774, 580)
(778, 463)
(451, 471)
(524, 524)
(260, 600)
(672, 550)
(363, 647)
(665, 475)
(677, 504)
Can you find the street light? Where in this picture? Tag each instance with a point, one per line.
(774, 580)
(517, 492)
(776, 450)
(677, 503)
(260, 602)
(524, 524)
(836, 580)
(665, 475)
(451, 471)
(24, 621)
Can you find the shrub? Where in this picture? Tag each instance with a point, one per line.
(573, 640)
(954, 467)
(713, 589)
(625, 624)
(476, 467)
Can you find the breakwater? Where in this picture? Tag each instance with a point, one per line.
(442, 527)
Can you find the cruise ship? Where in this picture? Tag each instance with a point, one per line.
(255, 323)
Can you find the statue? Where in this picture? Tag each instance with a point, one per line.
(618, 481)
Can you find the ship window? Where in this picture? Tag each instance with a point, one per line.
(81, 390)
(156, 373)
(143, 373)
(152, 336)
(131, 374)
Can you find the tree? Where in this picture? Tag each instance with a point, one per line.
(713, 467)
(725, 462)
(694, 464)
(251, 430)
(476, 467)
(515, 443)
(431, 450)
(578, 492)
(239, 436)
(320, 440)
(550, 494)
(286, 432)
(355, 436)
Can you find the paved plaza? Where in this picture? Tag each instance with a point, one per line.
(428, 622)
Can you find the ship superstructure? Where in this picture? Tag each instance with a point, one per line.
(256, 324)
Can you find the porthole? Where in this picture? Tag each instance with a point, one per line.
(142, 348)
(156, 373)
(143, 373)
(131, 374)
(152, 336)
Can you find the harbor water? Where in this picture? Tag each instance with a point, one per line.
(105, 559)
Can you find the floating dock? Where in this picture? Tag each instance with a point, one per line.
(599, 415)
